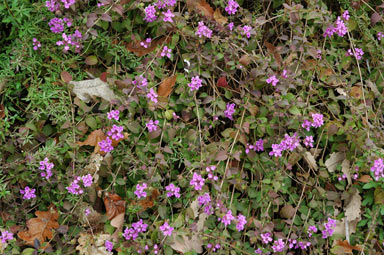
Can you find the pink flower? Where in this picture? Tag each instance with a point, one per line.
(166, 229)
(276, 150)
(87, 180)
(114, 114)
(278, 246)
(168, 16)
(378, 169)
(116, 132)
(203, 30)
(329, 32)
(28, 193)
(166, 52)
(5, 236)
(52, 5)
(329, 228)
(196, 83)
(284, 74)
(140, 82)
(45, 165)
(106, 145)
(227, 218)
(197, 181)
(210, 170)
(311, 230)
(306, 125)
(247, 31)
(139, 192)
(345, 15)
(272, 80)
(146, 43)
(152, 95)
(358, 53)
(230, 26)
(152, 125)
(232, 6)
(308, 141)
(204, 199)
(317, 120)
(241, 221)
(380, 35)
(266, 237)
(340, 28)
(172, 190)
(229, 111)
(150, 13)
(108, 245)
(36, 44)
(135, 230)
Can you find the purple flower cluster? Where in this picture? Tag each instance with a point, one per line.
(358, 53)
(230, 26)
(205, 200)
(108, 245)
(278, 245)
(28, 193)
(378, 168)
(317, 120)
(203, 30)
(36, 44)
(197, 181)
(259, 146)
(116, 132)
(5, 236)
(152, 125)
(210, 170)
(241, 221)
(247, 31)
(231, 7)
(150, 13)
(196, 83)
(106, 145)
(166, 229)
(162, 4)
(288, 143)
(57, 25)
(114, 114)
(308, 141)
(329, 228)
(45, 165)
(146, 43)
(380, 35)
(272, 80)
(339, 27)
(227, 218)
(214, 248)
(133, 232)
(54, 5)
(345, 15)
(266, 237)
(139, 192)
(71, 40)
(140, 82)
(172, 190)
(311, 229)
(229, 111)
(168, 16)
(166, 52)
(75, 188)
(152, 95)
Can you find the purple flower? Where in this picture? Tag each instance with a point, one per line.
(197, 181)
(196, 83)
(168, 16)
(71, 40)
(232, 6)
(108, 245)
(56, 25)
(380, 35)
(116, 132)
(329, 32)
(162, 4)
(266, 237)
(150, 13)
(106, 145)
(290, 142)
(259, 145)
(276, 150)
(204, 199)
(87, 211)
(114, 114)
(210, 170)
(258, 251)
(140, 226)
(152, 125)
(306, 125)
(329, 228)
(284, 74)
(227, 218)
(140, 190)
(291, 243)
(140, 82)
(345, 15)
(247, 31)
(152, 96)
(311, 230)
(166, 52)
(36, 44)
(68, 3)
(317, 120)
(52, 5)
(358, 53)
(75, 188)
(378, 168)
(278, 245)
(203, 30)
(230, 26)
(272, 80)
(146, 43)
(248, 148)
(5, 236)
(166, 229)
(308, 141)
(28, 193)
(241, 221)
(303, 245)
(45, 165)
(340, 28)
(135, 230)
(172, 190)
(318, 54)
(229, 111)
(87, 180)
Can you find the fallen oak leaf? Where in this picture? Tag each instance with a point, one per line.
(40, 228)
(219, 18)
(202, 7)
(347, 247)
(93, 140)
(114, 205)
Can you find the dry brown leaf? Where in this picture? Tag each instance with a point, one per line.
(149, 201)
(353, 208)
(65, 76)
(245, 60)
(201, 6)
(165, 88)
(356, 92)
(222, 82)
(93, 140)
(118, 221)
(287, 211)
(365, 178)
(335, 159)
(185, 244)
(347, 247)
(140, 51)
(114, 205)
(92, 245)
(87, 89)
(219, 18)
(41, 227)
(310, 159)
(272, 50)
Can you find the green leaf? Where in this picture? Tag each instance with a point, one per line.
(134, 127)
(91, 122)
(369, 185)
(28, 251)
(294, 110)
(91, 60)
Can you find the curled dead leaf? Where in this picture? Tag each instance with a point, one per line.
(219, 18)
(149, 201)
(202, 7)
(114, 205)
(165, 88)
(93, 140)
(222, 82)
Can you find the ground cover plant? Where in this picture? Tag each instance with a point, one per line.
(191, 127)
